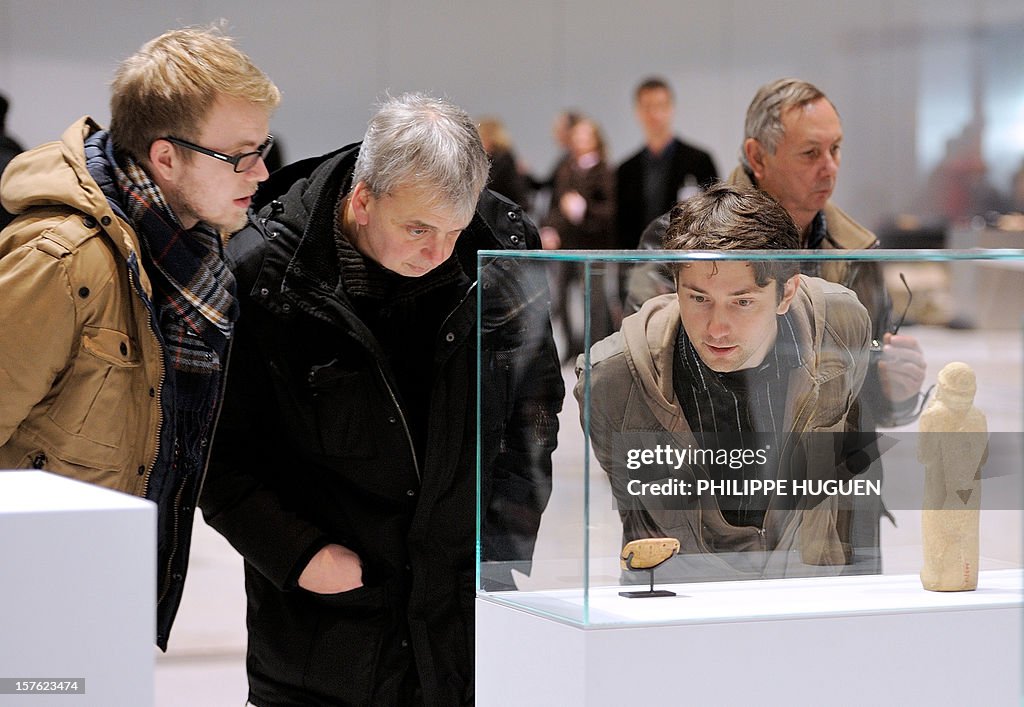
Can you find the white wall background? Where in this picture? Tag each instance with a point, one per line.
(901, 72)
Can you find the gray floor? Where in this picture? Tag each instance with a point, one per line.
(205, 661)
(205, 664)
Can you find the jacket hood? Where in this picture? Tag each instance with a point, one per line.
(298, 175)
(55, 174)
(648, 340)
(649, 337)
(54, 180)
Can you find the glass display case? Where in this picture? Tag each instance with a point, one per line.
(786, 449)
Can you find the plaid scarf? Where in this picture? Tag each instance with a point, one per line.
(198, 304)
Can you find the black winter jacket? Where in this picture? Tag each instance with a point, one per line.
(631, 212)
(313, 448)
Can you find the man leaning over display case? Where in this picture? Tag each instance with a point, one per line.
(792, 150)
(345, 470)
(750, 359)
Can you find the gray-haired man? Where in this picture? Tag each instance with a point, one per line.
(345, 473)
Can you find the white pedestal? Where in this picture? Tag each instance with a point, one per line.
(879, 640)
(77, 589)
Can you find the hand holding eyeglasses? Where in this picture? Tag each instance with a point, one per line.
(901, 367)
(901, 364)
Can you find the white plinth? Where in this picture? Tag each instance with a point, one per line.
(879, 640)
(77, 589)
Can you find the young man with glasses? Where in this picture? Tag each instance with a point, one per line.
(117, 306)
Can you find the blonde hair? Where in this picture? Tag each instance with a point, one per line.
(169, 86)
(493, 134)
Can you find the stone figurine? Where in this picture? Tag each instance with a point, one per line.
(953, 447)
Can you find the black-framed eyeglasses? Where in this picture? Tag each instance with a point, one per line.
(876, 354)
(241, 163)
(910, 298)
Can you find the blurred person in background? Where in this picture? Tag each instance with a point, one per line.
(505, 176)
(664, 171)
(581, 217)
(561, 126)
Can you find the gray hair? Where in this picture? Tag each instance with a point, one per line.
(764, 115)
(419, 140)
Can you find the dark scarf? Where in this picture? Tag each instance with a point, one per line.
(405, 315)
(738, 410)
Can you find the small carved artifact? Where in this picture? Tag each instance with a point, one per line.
(646, 554)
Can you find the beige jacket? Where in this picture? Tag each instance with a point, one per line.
(80, 365)
(632, 395)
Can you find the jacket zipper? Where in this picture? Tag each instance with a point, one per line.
(159, 436)
(202, 478)
(394, 398)
(159, 386)
(401, 417)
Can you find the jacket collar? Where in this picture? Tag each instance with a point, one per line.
(293, 265)
(309, 210)
(296, 211)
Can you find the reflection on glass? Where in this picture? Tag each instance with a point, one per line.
(853, 496)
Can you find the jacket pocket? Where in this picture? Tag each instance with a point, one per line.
(327, 643)
(343, 405)
(90, 403)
